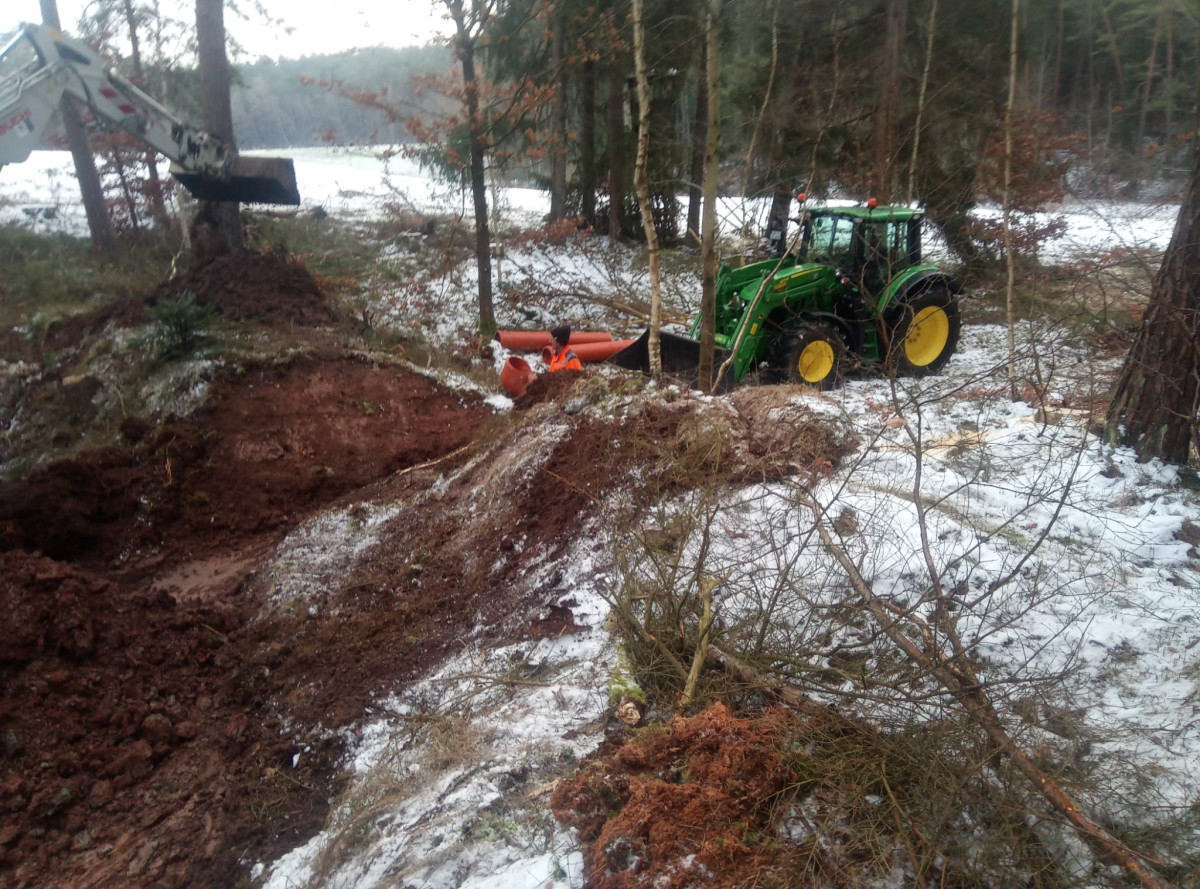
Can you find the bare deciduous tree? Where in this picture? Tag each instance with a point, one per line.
(468, 28)
(708, 224)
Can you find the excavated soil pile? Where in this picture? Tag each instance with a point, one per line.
(270, 444)
(173, 673)
(452, 565)
(132, 756)
(273, 286)
(146, 738)
(64, 335)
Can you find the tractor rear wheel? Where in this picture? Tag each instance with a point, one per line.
(925, 332)
(815, 355)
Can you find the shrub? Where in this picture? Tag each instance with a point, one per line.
(179, 325)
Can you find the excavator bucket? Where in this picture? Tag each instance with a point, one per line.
(680, 355)
(251, 180)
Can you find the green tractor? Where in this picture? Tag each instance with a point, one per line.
(854, 292)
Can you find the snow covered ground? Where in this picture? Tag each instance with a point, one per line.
(355, 183)
(455, 807)
(1102, 591)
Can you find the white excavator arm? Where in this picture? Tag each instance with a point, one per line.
(41, 65)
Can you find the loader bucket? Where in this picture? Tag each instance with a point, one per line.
(251, 180)
(680, 355)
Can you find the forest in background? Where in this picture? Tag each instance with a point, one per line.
(902, 100)
(294, 102)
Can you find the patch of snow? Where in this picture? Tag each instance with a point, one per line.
(322, 549)
(181, 389)
(448, 783)
(1109, 600)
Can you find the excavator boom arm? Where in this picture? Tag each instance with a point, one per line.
(41, 64)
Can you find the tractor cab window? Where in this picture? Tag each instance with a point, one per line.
(828, 239)
(881, 250)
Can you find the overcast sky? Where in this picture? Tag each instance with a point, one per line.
(318, 26)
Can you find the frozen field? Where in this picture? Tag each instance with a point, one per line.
(355, 183)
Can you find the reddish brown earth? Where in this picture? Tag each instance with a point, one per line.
(273, 287)
(161, 723)
(152, 710)
(143, 699)
(688, 804)
(138, 742)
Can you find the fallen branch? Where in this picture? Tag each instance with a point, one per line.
(635, 308)
(790, 697)
(430, 463)
(958, 677)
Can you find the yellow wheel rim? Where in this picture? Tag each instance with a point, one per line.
(815, 362)
(927, 336)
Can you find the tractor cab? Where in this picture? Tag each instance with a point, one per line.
(871, 245)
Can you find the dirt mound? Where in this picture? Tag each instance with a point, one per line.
(451, 564)
(547, 387)
(271, 444)
(273, 286)
(142, 716)
(64, 335)
(168, 705)
(124, 711)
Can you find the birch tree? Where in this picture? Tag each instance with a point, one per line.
(642, 187)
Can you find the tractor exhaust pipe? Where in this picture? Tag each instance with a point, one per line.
(248, 180)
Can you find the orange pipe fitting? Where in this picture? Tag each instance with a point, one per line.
(516, 375)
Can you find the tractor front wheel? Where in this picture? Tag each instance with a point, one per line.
(816, 356)
(925, 332)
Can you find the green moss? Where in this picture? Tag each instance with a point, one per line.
(622, 685)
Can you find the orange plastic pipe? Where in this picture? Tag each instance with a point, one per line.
(532, 340)
(591, 352)
(516, 375)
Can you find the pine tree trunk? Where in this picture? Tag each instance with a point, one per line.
(587, 142)
(104, 238)
(558, 146)
(616, 151)
(1155, 401)
(886, 109)
(218, 116)
(1009, 259)
(749, 184)
(1149, 86)
(777, 219)
(931, 30)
